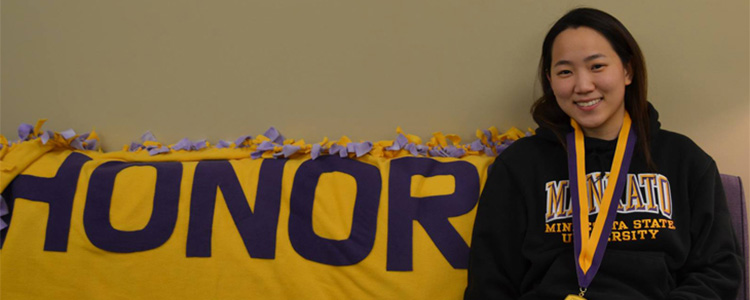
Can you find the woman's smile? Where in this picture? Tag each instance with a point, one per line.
(588, 104)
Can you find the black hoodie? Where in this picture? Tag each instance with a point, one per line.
(672, 238)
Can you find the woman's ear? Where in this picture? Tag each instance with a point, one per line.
(628, 73)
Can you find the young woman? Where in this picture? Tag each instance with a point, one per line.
(601, 203)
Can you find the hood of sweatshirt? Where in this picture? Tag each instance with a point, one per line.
(599, 153)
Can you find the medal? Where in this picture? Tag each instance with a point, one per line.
(590, 246)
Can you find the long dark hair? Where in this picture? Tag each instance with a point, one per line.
(545, 110)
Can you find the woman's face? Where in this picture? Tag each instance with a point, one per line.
(588, 80)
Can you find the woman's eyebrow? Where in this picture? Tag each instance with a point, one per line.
(562, 62)
(587, 59)
(593, 57)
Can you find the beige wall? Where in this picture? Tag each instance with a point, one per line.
(220, 69)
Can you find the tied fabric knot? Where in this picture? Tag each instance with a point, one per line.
(76, 144)
(338, 149)
(485, 142)
(454, 151)
(287, 151)
(440, 147)
(150, 144)
(24, 131)
(274, 135)
(317, 149)
(154, 150)
(148, 137)
(90, 144)
(198, 145)
(183, 144)
(477, 146)
(186, 144)
(77, 141)
(417, 150)
(241, 141)
(223, 144)
(438, 152)
(272, 140)
(46, 136)
(400, 143)
(492, 143)
(263, 147)
(450, 151)
(315, 152)
(80, 142)
(135, 146)
(359, 149)
(68, 134)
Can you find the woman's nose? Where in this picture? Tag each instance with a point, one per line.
(584, 83)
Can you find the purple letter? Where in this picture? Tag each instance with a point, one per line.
(96, 220)
(57, 191)
(364, 221)
(257, 229)
(431, 212)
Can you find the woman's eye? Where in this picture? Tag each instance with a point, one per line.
(597, 66)
(564, 72)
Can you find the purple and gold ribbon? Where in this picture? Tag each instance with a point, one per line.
(590, 245)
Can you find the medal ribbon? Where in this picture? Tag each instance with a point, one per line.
(590, 246)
